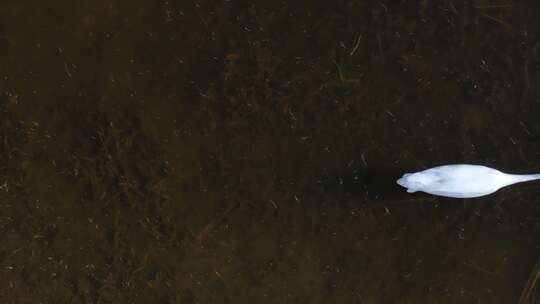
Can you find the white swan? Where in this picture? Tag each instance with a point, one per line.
(461, 181)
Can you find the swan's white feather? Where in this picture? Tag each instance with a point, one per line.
(460, 181)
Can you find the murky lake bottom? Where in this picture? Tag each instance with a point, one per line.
(247, 151)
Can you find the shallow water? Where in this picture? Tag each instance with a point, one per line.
(235, 151)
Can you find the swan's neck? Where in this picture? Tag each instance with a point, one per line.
(519, 178)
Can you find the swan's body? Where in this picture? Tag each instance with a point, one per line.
(461, 181)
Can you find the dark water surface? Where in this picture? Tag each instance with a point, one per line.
(246, 151)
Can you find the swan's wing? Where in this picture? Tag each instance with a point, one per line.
(459, 194)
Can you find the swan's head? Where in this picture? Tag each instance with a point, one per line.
(414, 181)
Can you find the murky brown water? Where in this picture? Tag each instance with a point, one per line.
(247, 151)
